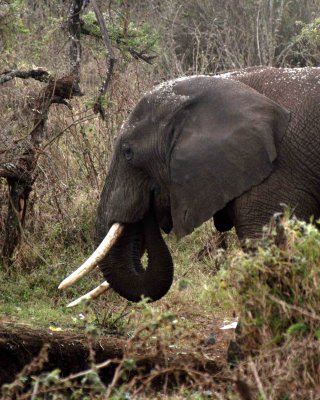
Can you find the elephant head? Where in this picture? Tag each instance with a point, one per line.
(188, 148)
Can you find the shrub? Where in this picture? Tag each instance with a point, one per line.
(278, 293)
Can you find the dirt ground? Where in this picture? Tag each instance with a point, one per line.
(70, 351)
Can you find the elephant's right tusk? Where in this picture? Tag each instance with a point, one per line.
(96, 292)
(98, 255)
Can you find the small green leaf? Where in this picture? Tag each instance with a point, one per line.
(91, 378)
(129, 364)
(298, 328)
(52, 377)
(183, 284)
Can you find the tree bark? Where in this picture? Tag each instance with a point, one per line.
(75, 35)
(17, 205)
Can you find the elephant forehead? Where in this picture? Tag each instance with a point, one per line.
(177, 89)
(166, 97)
(154, 107)
(159, 101)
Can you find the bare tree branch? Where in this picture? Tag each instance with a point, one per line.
(40, 74)
(111, 60)
(74, 27)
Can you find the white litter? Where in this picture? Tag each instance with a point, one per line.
(233, 325)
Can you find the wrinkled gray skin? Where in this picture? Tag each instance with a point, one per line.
(233, 147)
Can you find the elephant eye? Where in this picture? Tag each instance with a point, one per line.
(127, 151)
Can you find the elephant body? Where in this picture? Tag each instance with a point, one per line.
(295, 178)
(232, 147)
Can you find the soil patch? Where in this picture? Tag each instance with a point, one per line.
(20, 343)
(70, 352)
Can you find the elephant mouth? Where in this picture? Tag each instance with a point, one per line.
(120, 257)
(132, 243)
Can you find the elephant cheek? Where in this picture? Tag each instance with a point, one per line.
(163, 213)
(128, 204)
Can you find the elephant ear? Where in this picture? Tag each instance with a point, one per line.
(225, 142)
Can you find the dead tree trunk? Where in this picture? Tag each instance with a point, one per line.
(19, 164)
(17, 204)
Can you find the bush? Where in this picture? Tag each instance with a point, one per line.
(278, 293)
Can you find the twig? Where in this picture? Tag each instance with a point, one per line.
(117, 375)
(35, 390)
(257, 33)
(300, 310)
(24, 236)
(83, 119)
(257, 378)
(83, 373)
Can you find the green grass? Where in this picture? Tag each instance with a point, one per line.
(29, 293)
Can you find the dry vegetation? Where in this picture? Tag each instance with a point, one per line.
(173, 348)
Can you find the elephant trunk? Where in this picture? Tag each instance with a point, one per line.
(123, 269)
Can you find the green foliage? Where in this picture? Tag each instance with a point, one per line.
(17, 9)
(278, 287)
(52, 377)
(129, 364)
(13, 25)
(90, 24)
(183, 284)
(311, 32)
(105, 102)
(140, 38)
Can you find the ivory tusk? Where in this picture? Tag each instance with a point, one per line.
(92, 294)
(110, 239)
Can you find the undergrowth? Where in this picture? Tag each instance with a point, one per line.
(278, 293)
(273, 288)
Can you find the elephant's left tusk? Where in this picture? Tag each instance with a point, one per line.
(98, 255)
(94, 293)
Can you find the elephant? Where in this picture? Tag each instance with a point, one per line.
(233, 147)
